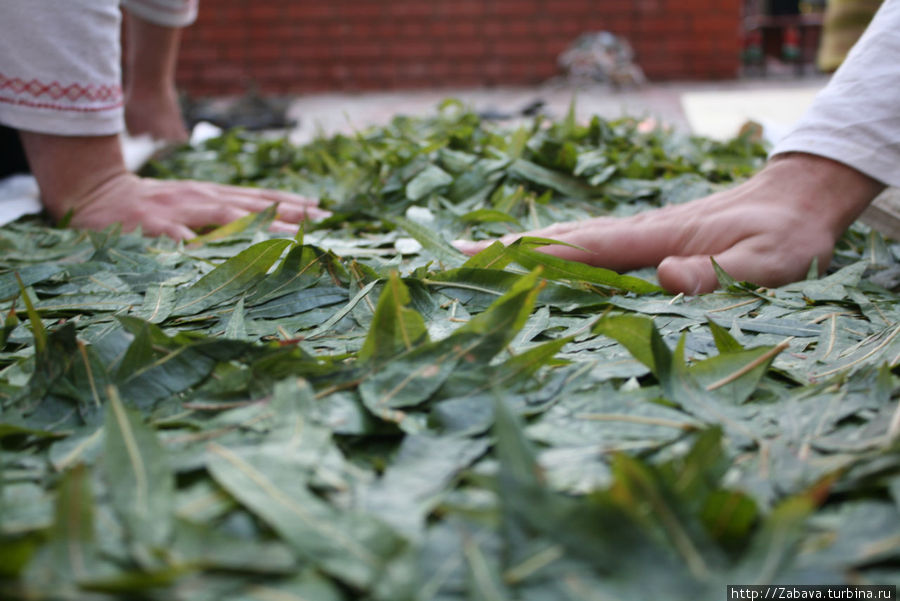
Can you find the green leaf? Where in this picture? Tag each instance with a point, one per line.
(72, 547)
(37, 326)
(432, 241)
(354, 547)
(249, 222)
(236, 328)
(419, 474)
(488, 216)
(231, 278)
(495, 256)
(429, 180)
(159, 301)
(725, 342)
(640, 336)
(395, 327)
(12, 283)
(555, 268)
(141, 482)
(562, 183)
(734, 376)
(503, 319)
(415, 376)
(774, 548)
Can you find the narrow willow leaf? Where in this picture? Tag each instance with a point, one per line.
(15, 553)
(485, 580)
(7, 429)
(204, 545)
(72, 545)
(494, 256)
(353, 547)
(514, 451)
(236, 329)
(527, 363)
(429, 180)
(432, 241)
(12, 283)
(231, 278)
(561, 269)
(250, 222)
(478, 288)
(640, 336)
(37, 326)
(140, 352)
(813, 272)
(562, 183)
(734, 376)
(503, 319)
(412, 378)
(774, 549)
(159, 301)
(725, 342)
(682, 387)
(344, 311)
(297, 303)
(395, 327)
(141, 483)
(301, 268)
(642, 484)
(725, 280)
(488, 216)
(729, 517)
(419, 474)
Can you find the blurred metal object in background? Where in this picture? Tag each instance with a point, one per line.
(601, 57)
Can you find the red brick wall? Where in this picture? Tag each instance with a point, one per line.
(291, 46)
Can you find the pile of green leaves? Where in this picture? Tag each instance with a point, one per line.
(361, 412)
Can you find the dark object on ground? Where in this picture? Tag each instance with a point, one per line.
(12, 155)
(251, 111)
(531, 109)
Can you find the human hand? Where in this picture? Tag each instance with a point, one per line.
(766, 230)
(178, 208)
(86, 175)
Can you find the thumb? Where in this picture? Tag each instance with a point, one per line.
(690, 275)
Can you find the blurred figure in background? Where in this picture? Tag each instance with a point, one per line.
(845, 22)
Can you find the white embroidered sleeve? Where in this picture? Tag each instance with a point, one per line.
(60, 67)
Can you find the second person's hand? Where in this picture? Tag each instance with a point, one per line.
(766, 230)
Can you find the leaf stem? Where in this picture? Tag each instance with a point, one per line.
(750, 366)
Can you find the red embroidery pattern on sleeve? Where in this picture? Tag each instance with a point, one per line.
(56, 96)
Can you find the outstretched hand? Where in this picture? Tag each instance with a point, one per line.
(766, 230)
(87, 176)
(179, 208)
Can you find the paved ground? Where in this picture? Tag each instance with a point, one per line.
(714, 109)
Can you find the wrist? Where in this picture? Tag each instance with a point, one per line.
(822, 188)
(70, 170)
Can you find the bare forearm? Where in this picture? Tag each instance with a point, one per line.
(151, 101)
(152, 55)
(70, 168)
